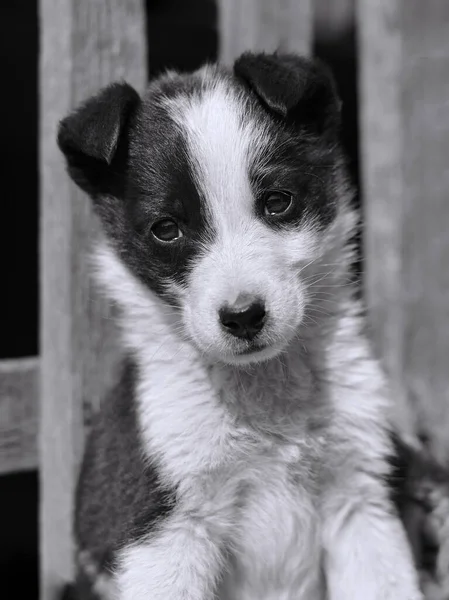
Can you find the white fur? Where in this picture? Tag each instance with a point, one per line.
(236, 482)
(278, 465)
(246, 257)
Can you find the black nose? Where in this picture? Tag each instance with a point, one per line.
(243, 319)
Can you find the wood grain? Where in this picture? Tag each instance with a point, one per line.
(265, 25)
(19, 388)
(404, 90)
(425, 226)
(380, 51)
(332, 18)
(85, 44)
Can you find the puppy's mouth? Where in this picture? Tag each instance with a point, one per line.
(254, 353)
(252, 349)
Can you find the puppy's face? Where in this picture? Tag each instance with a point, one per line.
(216, 189)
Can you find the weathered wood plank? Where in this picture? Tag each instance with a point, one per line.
(264, 25)
(381, 153)
(404, 86)
(85, 44)
(332, 18)
(19, 384)
(425, 235)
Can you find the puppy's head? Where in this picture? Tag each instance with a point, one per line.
(216, 189)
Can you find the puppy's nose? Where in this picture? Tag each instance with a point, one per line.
(245, 318)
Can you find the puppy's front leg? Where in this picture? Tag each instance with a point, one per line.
(180, 561)
(367, 553)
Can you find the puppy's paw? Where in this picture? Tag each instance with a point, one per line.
(377, 584)
(397, 587)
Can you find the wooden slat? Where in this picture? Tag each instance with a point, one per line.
(85, 44)
(264, 25)
(19, 383)
(425, 236)
(381, 154)
(332, 19)
(404, 87)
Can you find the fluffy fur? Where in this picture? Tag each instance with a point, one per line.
(220, 466)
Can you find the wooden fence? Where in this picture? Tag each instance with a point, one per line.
(403, 59)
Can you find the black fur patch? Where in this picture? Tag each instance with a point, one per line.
(160, 185)
(300, 90)
(137, 172)
(304, 170)
(93, 139)
(119, 496)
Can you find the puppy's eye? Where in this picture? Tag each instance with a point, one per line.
(166, 230)
(276, 203)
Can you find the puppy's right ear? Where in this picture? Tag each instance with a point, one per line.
(93, 139)
(297, 89)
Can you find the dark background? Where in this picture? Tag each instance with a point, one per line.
(183, 34)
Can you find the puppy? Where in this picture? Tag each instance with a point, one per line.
(244, 451)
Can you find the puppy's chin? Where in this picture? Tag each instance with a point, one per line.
(252, 357)
(245, 356)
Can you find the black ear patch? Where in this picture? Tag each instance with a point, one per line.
(91, 138)
(296, 88)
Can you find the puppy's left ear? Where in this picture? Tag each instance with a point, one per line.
(93, 139)
(298, 89)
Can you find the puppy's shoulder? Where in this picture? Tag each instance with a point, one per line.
(120, 494)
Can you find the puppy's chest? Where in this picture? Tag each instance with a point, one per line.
(276, 539)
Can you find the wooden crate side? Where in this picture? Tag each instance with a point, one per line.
(425, 224)
(380, 55)
(84, 45)
(19, 388)
(264, 25)
(404, 117)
